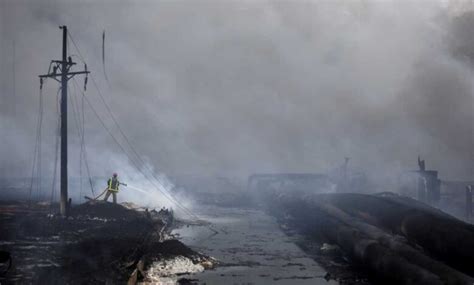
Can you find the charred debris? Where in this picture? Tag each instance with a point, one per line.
(98, 243)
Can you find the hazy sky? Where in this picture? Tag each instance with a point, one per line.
(237, 87)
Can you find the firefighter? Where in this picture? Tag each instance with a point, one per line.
(113, 188)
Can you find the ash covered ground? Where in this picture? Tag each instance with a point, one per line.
(97, 243)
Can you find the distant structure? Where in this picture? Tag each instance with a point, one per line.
(421, 164)
(429, 186)
(426, 187)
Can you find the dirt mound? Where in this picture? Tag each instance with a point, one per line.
(104, 210)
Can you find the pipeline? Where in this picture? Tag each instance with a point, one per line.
(343, 219)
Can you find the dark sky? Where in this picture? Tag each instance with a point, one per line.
(237, 87)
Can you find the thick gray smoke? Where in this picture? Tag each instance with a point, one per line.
(237, 87)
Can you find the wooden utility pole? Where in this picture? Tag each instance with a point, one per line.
(63, 66)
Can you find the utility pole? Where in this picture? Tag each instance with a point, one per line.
(63, 66)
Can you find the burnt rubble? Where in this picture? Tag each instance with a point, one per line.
(97, 243)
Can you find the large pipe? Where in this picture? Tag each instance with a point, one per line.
(441, 235)
(385, 256)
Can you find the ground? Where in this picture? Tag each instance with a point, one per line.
(251, 249)
(98, 243)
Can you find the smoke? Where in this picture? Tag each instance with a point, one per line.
(238, 87)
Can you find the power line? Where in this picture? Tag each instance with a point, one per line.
(166, 195)
(80, 129)
(162, 189)
(138, 157)
(86, 163)
(103, 57)
(40, 148)
(81, 133)
(37, 150)
(56, 149)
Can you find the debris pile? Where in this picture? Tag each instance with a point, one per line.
(104, 210)
(99, 242)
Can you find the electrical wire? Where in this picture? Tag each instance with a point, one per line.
(56, 149)
(166, 195)
(73, 103)
(138, 157)
(40, 148)
(83, 143)
(55, 170)
(80, 125)
(103, 58)
(160, 187)
(37, 151)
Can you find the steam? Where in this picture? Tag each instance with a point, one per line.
(234, 88)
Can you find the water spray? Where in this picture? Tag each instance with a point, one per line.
(139, 190)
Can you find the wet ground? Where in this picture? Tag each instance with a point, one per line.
(99, 243)
(251, 248)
